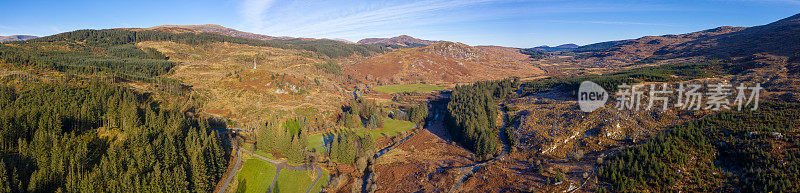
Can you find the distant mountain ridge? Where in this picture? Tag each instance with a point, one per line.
(633, 50)
(214, 28)
(780, 38)
(402, 40)
(16, 38)
(771, 47)
(562, 47)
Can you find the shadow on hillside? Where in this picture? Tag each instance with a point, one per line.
(435, 123)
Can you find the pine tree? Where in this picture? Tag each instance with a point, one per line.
(5, 182)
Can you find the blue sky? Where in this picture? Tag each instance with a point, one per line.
(515, 23)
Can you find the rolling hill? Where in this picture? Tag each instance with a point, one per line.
(213, 28)
(633, 50)
(780, 38)
(16, 38)
(562, 47)
(443, 63)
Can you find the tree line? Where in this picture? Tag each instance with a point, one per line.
(347, 147)
(112, 51)
(748, 150)
(131, 51)
(102, 137)
(288, 138)
(110, 37)
(356, 112)
(472, 112)
(123, 61)
(418, 113)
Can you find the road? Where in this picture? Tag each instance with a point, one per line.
(231, 172)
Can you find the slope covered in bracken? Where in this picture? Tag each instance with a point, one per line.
(444, 62)
(780, 38)
(634, 50)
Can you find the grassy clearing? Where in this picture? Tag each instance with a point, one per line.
(294, 181)
(409, 88)
(255, 176)
(391, 127)
(315, 141)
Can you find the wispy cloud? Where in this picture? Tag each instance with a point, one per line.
(6, 28)
(501, 22)
(370, 18)
(319, 19)
(253, 10)
(611, 22)
(419, 12)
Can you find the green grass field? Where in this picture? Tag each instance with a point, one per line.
(315, 141)
(409, 88)
(294, 181)
(255, 176)
(391, 127)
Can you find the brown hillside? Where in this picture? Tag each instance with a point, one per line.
(443, 63)
(629, 51)
(402, 40)
(780, 38)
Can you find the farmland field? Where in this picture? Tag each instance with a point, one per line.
(255, 176)
(294, 181)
